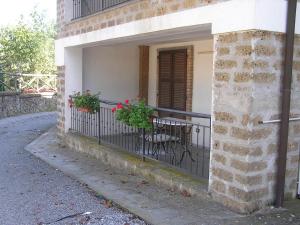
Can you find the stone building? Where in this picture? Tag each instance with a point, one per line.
(233, 52)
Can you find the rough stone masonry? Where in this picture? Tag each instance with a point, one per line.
(15, 103)
(61, 99)
(125, 13)
(248, 67)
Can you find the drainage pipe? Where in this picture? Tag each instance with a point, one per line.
(298, 180)
(285, 102)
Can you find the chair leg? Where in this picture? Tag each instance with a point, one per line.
(173, 161)
(163, 146)
(154, 149)
(148, 148)
(183, 154)
(158, 149)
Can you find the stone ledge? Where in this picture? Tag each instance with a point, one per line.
(151, 169)
(16, 93)
(30, 95)
(9, 93)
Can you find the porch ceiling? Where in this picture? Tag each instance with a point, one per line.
(200, 32)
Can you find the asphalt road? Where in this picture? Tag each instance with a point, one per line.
(32, 192)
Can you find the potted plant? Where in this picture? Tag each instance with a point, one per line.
(86, 102)
(137, 115)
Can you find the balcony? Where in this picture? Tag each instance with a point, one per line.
(180, 143)
(83, 8)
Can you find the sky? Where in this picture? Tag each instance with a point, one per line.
(11, 10)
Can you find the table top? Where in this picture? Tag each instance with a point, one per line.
(171, 121)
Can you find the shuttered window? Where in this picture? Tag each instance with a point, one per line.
(172, 79)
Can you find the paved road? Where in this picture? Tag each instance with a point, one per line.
(32, 192)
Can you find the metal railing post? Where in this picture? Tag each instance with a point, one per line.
(285, 103)
(2, 87)
(144, 143)
(15, 83)
(99, 127)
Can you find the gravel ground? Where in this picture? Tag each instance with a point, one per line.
(32, 192)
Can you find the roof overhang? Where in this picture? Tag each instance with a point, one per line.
(200, 23)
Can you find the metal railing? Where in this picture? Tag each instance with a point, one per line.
(181, 143)
(28, 83)
(82, 8)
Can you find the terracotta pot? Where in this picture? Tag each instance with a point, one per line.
(87, 110)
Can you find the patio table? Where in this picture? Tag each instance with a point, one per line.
(185, 127)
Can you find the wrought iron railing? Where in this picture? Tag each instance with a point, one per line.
(28, 83)
(82, 8)
(181, 143)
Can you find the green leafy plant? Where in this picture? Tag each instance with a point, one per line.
(28, 46)
(137, 115)
(86, 102)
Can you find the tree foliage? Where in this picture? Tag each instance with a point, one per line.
(28, 47)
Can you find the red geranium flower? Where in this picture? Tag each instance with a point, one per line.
(113, 110)
(127, 101)
(119, 106)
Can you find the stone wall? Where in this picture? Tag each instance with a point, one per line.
(13, 103)
(246, 89)
(60, 18)
(128, 12)
(61, 99)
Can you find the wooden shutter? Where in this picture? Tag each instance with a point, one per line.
(165, 80)
(144, 72)
(179, 80)
(172, 79)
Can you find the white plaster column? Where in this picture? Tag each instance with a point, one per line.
(73, 78)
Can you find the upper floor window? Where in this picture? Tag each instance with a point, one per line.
(82, 8)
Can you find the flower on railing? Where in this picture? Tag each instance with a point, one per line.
(85, 102)
(120, 106)
(137, 115)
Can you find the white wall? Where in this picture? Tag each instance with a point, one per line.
(112, 70)
(202, 80)
(73, 78)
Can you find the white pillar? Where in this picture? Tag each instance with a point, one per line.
(73, 79)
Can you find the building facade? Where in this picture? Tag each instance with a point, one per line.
(228, 58)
